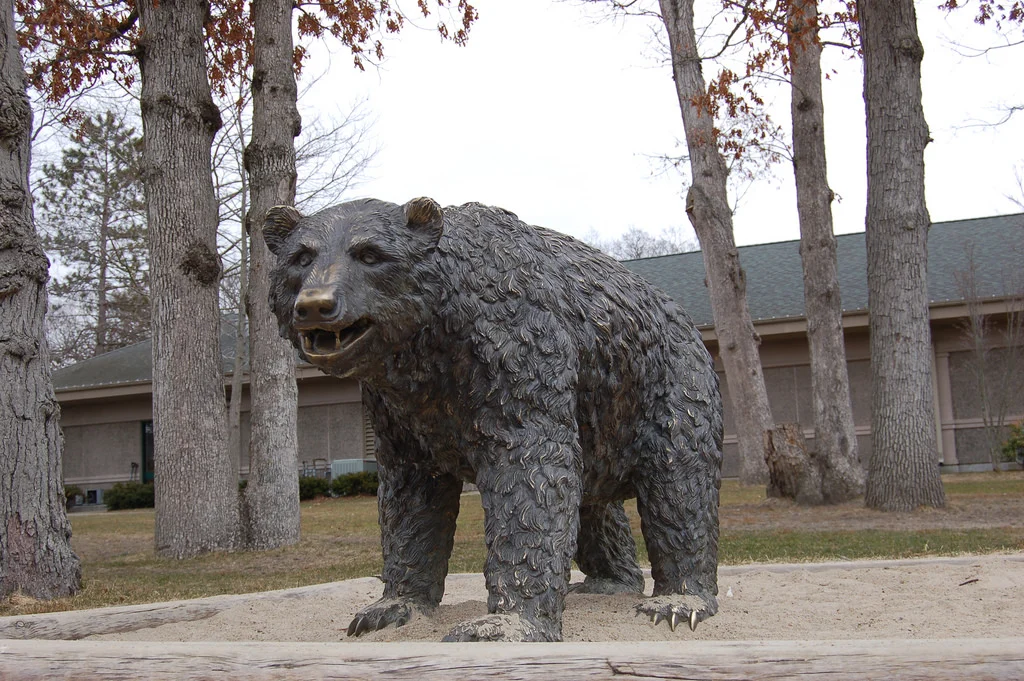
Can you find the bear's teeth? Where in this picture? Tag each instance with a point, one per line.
(320, 342)
(327, 342)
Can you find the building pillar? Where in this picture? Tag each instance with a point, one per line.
(944, 410)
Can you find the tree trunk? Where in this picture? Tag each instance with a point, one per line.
(35, 535)
(241, 324)
(238, 364)
(707, 205)
(792, 472)
(903, 472)
(835, 438)
(196, 487)
(272, 495)
(101, 285)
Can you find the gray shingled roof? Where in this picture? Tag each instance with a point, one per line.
(774, 286)
(132, 364)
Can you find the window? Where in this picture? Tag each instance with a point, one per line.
(147, 451)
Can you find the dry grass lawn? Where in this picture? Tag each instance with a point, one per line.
(340, 540)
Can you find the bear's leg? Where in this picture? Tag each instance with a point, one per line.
(417, 519)
(531, 497)
(606, 551)
(677, 497)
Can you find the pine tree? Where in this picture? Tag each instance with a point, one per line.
(91, 211)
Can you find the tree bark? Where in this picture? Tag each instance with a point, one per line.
(196, 487)
(707, 205)
(792, 472)
(35, 535)
(903, 472)
(835, 438)
(241, 343)
(272, 495)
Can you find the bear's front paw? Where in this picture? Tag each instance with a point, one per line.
(677, 608)
(396, 611)
(507, 627)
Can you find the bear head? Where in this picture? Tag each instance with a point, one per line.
(354, 282)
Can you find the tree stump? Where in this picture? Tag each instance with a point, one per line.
(793, 473)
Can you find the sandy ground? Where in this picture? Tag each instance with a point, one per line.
(965, 597)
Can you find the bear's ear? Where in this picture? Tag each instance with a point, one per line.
(425, 216)
(278, 225)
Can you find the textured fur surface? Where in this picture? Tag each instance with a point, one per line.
(521, 360)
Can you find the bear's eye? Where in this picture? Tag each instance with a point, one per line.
(304, 259)
(369, 256)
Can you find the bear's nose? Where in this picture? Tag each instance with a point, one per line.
(316, 305)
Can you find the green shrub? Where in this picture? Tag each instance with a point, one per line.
(354, 484)
(1013, 448)
(72, 491)
(310, 487)
(124, 495)
(345, 485)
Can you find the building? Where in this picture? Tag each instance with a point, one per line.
(107, 418)
(106, 405)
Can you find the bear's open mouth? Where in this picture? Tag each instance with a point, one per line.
(322, 342)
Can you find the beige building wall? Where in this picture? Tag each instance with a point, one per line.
(102, 439)
(787, 375)
(967, 406)
(957, 403)
(98, 455)
(103, 435)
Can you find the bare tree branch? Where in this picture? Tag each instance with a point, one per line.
(995, 343)
(1018, 176)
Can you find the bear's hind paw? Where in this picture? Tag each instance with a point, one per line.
(606, 587)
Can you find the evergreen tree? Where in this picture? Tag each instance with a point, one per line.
(91, 211)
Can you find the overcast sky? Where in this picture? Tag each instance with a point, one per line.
(560, 117)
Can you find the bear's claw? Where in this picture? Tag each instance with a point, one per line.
(675, 609)
(673, 618)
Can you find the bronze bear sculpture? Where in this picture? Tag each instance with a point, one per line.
(525, 362)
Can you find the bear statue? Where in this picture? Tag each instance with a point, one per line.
(531, 365)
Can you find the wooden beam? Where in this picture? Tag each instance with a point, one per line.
(935, 660)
